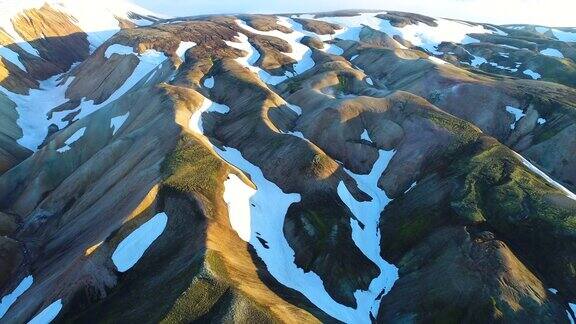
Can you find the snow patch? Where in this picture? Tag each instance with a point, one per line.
(12, 57)
(295, 108)
(195, 122)
(437, 60)
(541, 121)
(518, 113)
(334, 50)
(477, 61)
(117, 122)
(76, 136)
(9, 299)
(427, 37)
(32, 110)
(118, 49)
(552, 52)
(251, 58)
(209, 83)
(149, 61)
(183, 47)
(132, 248)
(564, 36)
(98, 18)
(411, 186)
(300, 52)
(573, 308)
(48, 314)
(365, 136)
(532, 74)
(237, 196)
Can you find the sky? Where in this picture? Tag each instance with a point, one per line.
(543, 12)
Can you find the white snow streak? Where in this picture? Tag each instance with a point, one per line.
(268, 207)
(48, 314)
(551, 181)
(132, 248)
(368, 238)
(9, 299)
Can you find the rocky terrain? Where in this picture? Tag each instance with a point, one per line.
(350, 166)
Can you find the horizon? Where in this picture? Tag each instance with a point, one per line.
(554, 13)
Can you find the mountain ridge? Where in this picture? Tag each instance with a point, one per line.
(341, 167)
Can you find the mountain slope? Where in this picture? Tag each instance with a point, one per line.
(335, 167)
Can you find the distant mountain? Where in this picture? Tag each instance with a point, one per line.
(346, 166)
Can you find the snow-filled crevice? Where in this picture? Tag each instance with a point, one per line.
(367, 238)
(365, 136)
(183, 47)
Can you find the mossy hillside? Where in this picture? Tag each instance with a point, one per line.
(491, 188)
(554, 70)
(164, 272)
(192, 168)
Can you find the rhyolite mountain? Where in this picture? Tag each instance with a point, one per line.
(351, 166)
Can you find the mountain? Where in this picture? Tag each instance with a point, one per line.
(349, 166)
